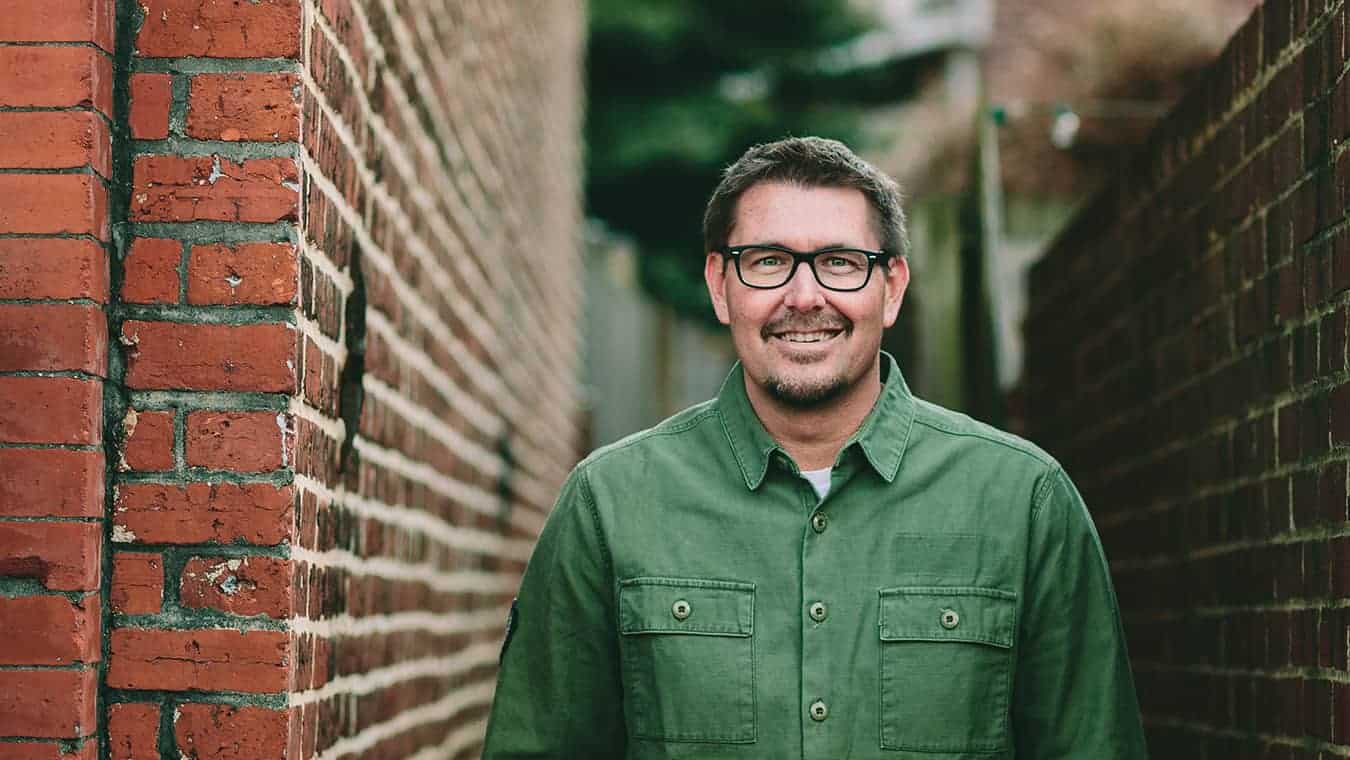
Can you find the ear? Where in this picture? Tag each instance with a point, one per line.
(715, 276)
(897, 280)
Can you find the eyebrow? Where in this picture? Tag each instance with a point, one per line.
(821, 248)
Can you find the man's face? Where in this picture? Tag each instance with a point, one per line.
(802, 344)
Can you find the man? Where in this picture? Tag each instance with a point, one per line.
(815, 564)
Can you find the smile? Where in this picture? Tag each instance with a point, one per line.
(817, 336)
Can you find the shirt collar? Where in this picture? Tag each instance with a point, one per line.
(882, 436)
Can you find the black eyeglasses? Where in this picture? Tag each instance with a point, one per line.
(771, 266)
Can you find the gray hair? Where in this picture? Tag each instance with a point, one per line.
(809, 162)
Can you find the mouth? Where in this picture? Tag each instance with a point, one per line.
(806, 337)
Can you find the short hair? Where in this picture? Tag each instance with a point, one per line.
(809, 162)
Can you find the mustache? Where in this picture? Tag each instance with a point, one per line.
(805, 323)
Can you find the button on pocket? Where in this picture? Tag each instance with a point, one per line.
(688, 659)
(946, 668)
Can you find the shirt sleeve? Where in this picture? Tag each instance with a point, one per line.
(1074, 692)
(559, 693)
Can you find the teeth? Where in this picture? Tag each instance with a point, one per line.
(805, 337)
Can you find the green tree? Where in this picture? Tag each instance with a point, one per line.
(678, 90)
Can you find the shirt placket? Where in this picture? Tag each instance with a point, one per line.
(819, 686)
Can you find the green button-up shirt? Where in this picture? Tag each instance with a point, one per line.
(691, 597)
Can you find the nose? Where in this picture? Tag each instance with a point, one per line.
(802, 292)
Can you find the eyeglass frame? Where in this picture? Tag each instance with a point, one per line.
(734, 252)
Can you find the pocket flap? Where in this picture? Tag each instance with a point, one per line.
(936, 613)
(686, 605)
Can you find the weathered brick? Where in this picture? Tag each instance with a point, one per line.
(210, 660)
(50, 204)
(53, 268)
(49, 704)
(210, 188)
(238, 585)
(249, 273)
(59, 21)
(257, 357)
(151, 100)
(151, 271)
(62, 556)
(230, 733)
(53, 337)
(149, 440)
(49, 630)
(51, 483)
(239, 441)
(257, 513)
(244, 106)
(54, 140)
(137, 583)
(133, 731)
(61, 410)
(49, 750)
(56, 77)
(260, 29)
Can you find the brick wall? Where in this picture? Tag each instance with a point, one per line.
(312, 266)
(1187, 361)
(56, 109)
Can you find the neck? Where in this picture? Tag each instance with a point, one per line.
(814, 435)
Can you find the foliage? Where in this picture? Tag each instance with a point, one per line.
(677, 91)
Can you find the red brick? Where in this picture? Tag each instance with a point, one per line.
(48, 704)
(59, 21)
(151, 271)
(239, 441)
(53, 268)
(62, 410)
(218, 29)
(137, 583)
(151, 98)
(242, 106)
(206, 660)
(240, 586)
(225, 732)
(48, 751)
(49, 204)
(133, 731)
(251, 273)
(54, 140)
(51, 483)
(56, 77)
(53, 337)
(149, 440)
(49, 630)
(257, 513)
(209, 188)
(259, 357)
(62, 556)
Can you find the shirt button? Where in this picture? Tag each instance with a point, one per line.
(819, 521)
(950, 619)
(680, 609)
(819, 711)
(818, 612)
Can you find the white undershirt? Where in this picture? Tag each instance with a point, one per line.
(819, 480)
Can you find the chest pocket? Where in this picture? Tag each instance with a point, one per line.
(946, 668)
(688, 659)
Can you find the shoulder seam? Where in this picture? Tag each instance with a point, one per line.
(1042, 493)
(683, 427)
(595, 522)
(1043, 459)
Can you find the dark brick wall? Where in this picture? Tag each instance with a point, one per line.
(1186, 360)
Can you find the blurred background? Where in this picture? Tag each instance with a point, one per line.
(999, 119)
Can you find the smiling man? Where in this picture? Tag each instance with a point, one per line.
(815, 564)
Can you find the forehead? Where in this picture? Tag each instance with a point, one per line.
(803, 217)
